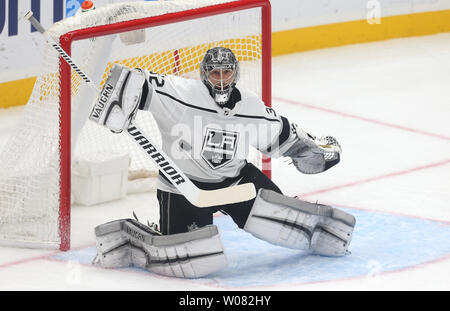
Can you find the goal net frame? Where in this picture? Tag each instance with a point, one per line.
(65, 84)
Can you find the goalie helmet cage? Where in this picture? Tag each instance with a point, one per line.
(168, 37)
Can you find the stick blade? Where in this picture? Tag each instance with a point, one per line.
(230, 195)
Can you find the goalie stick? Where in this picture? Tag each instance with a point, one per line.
(198, 197)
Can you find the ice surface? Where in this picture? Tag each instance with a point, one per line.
(382, 243)
(388, 105)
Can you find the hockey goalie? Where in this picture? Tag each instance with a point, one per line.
(207, 127)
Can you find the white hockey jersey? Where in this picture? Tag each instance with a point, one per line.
(207, 142)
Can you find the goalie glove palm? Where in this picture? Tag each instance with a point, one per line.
(119, 99)
(312, 155)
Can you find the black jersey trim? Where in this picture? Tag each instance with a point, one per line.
(145, 93)
(284, 135)
(212, 110)
(255, 117)
(185, 104)
(285, 132)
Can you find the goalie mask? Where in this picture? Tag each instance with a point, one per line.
(219, 71)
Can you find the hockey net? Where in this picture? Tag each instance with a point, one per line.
(167, 37)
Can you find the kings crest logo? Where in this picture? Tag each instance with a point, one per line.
(219, 147)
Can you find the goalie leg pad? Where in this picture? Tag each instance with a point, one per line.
(126, 242)
(119, 99)
(298, 224)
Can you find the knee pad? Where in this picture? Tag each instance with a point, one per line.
(126, 242)
(298, 224)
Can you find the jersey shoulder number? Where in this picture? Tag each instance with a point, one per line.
(157, 79)
(271, 112)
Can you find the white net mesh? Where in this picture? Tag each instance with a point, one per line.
(30, 162)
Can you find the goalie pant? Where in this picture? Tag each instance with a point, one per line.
(178, 215)
(271, 216)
